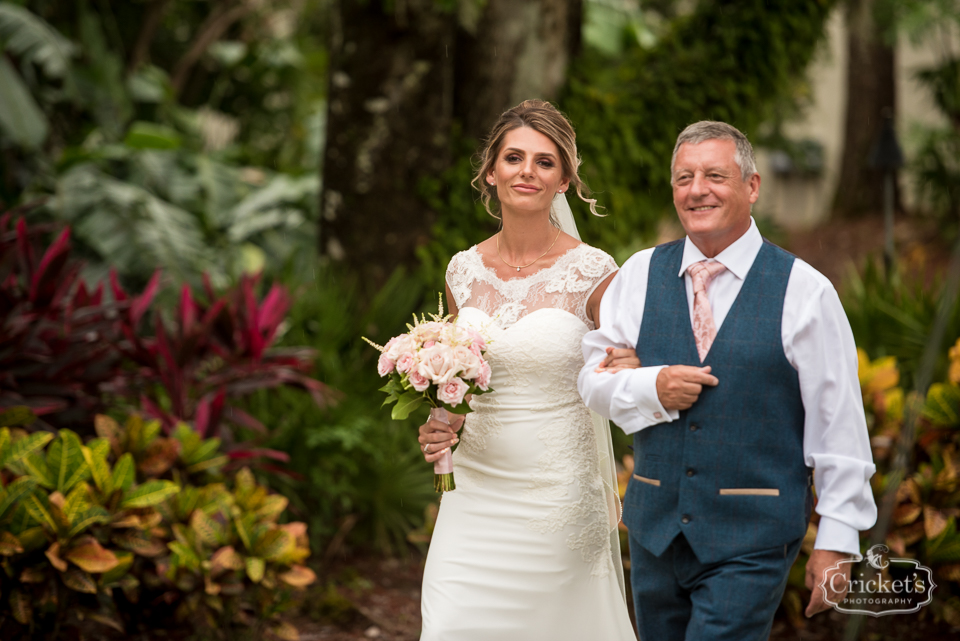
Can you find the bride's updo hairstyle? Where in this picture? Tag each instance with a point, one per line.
(542, 117)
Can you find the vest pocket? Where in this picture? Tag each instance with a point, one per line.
(748, 491)
(644, 479)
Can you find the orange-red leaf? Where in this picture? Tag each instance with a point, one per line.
(90, 556)
(299, 576)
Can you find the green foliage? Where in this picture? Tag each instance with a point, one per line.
(891, 314)
(146, 180)
(730, 60)
(373, 483)
(92, 519)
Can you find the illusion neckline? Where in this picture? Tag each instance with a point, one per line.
(493, 272)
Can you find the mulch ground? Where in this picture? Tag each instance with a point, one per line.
(364, 598)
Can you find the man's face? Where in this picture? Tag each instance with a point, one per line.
(712, 200)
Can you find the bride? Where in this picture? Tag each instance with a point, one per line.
(526, 547)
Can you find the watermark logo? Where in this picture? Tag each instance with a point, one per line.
(884, 585)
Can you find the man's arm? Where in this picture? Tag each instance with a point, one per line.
(630, 398)
(819, 343)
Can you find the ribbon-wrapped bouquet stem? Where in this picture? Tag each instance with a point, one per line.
(439, 363)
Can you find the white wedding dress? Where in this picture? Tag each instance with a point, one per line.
(526, 547)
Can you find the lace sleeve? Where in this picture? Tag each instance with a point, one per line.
(459, 278)
(595, 267)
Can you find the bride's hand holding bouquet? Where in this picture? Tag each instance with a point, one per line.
(439, 363)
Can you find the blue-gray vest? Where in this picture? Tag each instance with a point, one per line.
(730, 473)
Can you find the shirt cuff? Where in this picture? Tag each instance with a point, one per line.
(637, 405)
(837, 536)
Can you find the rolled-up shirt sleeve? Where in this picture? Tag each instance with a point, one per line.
(819, 343)
(628, 398)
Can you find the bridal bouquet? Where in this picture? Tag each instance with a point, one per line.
(436, 362)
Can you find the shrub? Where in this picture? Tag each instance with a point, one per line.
(64, 349)
(86, 529)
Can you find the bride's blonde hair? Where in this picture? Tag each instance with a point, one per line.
(544, 118)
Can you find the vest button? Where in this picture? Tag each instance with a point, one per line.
(686, 518)
(691, 471)
(694, 427)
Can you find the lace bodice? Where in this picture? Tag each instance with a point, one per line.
(533, 437)
(566, 285)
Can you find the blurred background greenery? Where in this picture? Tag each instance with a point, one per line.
(326, 147)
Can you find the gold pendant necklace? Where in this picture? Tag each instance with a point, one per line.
(519, 267)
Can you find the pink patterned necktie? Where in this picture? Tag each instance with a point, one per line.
(704, 329)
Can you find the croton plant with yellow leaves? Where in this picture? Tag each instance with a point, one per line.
(134, 529)
(924, 524)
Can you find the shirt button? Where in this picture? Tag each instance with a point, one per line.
(694, 427)
(686, 518)
(691, 471)
(657, 415)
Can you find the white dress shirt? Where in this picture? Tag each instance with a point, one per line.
(817, 341)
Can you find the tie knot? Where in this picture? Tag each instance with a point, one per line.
(702, 273)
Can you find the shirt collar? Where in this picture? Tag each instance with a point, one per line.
(737, 258)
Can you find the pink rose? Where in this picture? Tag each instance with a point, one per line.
(385, 364)
(400, 345)
(452, 392)
(405, 363)
(430, 343)
(428, 331)
(437, 364)
(483, 379)
(419, 382)
(476, 350)
(478, 340)
(466, 362)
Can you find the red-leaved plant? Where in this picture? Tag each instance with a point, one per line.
(64, 349)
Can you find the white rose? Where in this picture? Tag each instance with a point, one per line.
(437, 364)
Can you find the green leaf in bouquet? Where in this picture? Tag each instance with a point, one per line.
(393, 386)
(148, 494)
(943, 405)
(407, 403)
(14, 452)
(14, 492)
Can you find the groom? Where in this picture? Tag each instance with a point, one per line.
(747, 397)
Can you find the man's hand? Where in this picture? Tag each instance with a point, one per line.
(679, 386)
(618, 358)
(820, 562)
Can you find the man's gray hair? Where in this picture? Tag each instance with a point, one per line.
(705, 130)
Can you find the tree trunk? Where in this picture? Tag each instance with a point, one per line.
(390, 114)
(871, 93)
(518, 49)
(400, 78)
